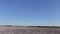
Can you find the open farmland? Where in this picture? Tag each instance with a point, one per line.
(30, 30)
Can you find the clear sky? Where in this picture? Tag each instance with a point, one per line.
(30, 12)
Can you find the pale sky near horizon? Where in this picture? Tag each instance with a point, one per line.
(30, 12)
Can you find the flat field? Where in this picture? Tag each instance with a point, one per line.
(28, 30)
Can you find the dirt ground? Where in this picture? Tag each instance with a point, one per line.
(28, 30)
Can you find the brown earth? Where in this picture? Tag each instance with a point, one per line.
(29, 30)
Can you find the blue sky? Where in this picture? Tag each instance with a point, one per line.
(30, 12)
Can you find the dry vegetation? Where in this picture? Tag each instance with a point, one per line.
(29, 30)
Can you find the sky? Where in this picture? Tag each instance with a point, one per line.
(30, 12)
